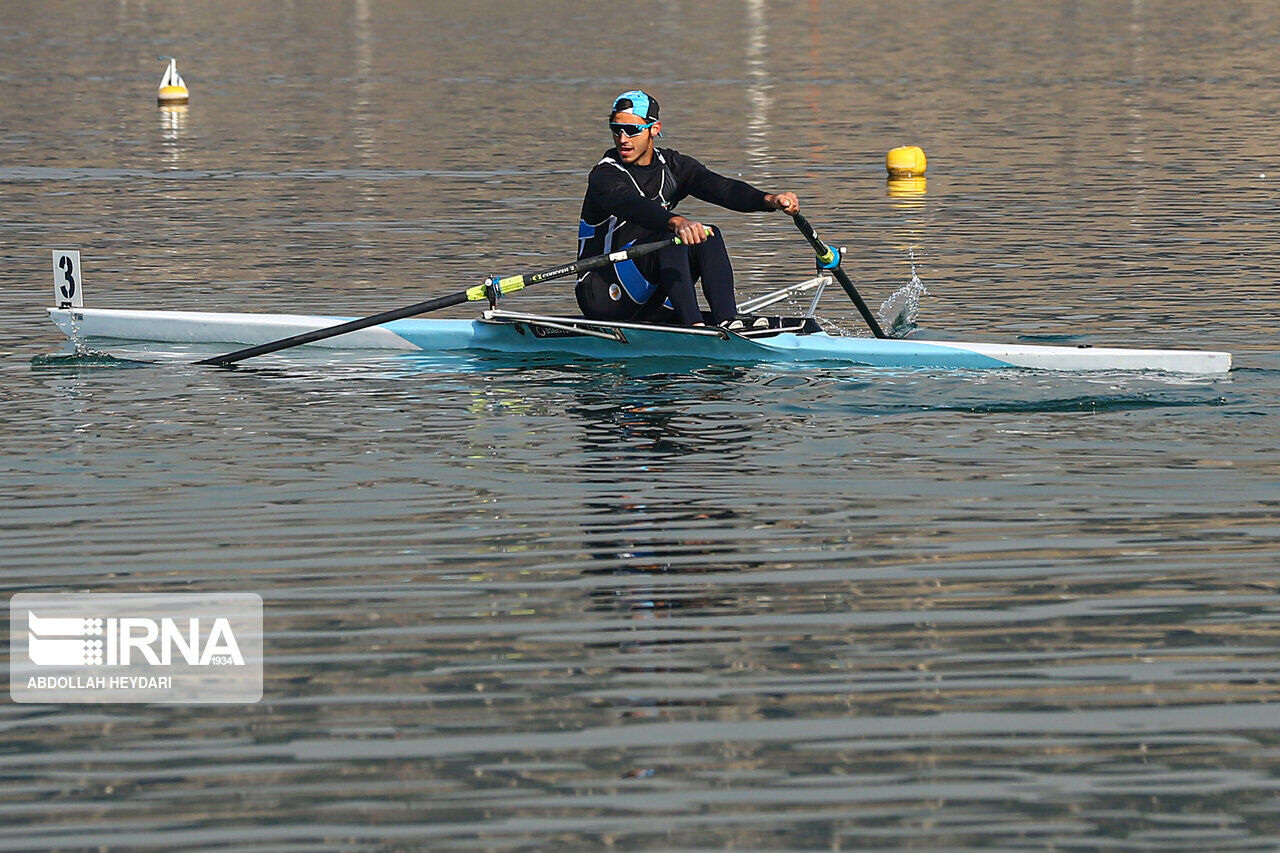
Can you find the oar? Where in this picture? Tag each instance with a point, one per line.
(829, 259)
(491, 288)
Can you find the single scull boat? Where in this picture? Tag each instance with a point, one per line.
(759, 339)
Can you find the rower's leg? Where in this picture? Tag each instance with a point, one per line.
(675, 282)
(710, 262)
(600, 297)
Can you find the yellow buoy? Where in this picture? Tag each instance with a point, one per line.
(172, 88)
(906, 161)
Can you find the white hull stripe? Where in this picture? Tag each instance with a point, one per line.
(199, 327)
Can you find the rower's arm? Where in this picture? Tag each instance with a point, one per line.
(709, 186)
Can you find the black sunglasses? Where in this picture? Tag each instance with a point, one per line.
(629, 129)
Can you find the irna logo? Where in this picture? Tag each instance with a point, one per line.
(126, 641)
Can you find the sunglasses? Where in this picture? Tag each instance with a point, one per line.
(629, 129)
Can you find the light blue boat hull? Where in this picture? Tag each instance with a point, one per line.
(508, 338)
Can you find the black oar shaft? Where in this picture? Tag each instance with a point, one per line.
(830, 259)
(341, 329)
(472, 294)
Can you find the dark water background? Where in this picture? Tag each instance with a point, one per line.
(549, 605)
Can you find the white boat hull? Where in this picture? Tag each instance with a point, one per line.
(200, 327)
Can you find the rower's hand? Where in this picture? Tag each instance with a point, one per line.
(689, 232)
(783, 201)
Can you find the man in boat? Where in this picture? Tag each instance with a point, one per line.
(631, 197)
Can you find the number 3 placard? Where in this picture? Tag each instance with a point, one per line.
(67, 285)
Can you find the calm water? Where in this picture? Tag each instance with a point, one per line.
(534, 605)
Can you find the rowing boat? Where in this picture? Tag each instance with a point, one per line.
(757, 339)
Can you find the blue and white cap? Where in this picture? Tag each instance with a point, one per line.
(636, 102)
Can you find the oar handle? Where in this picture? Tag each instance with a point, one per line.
(494, 287)
(829, 259)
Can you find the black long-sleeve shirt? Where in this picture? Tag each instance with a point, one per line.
(626, 203)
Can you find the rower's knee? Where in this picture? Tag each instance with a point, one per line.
(714, 245)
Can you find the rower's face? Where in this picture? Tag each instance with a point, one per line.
(636, 149)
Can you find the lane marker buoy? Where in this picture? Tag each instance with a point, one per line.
(906, 161)
(173, 90)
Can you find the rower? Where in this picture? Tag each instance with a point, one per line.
(631, 197)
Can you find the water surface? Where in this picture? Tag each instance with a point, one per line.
(516, 605)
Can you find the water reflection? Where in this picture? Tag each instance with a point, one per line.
(173, 128)
(759, 85)
(648, 554)
(664, 416)
(173, 121)
(908, 193)
(647, 586)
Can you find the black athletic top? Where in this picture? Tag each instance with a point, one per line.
(625, 203)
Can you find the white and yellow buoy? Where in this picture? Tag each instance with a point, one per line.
(172, 88)
(906, 161)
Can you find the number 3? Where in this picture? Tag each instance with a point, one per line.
(68, 267)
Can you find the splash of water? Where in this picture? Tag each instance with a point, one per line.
(77, 339)
(898, 313)
(81, 354)
(84, 358)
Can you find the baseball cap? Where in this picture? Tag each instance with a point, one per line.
(637, 102)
